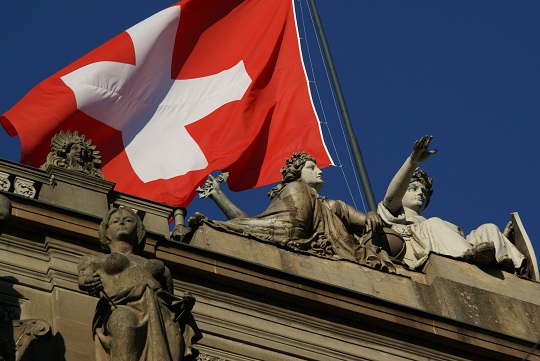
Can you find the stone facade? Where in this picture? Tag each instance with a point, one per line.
(256, 301)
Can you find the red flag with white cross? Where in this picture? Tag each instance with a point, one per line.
(203, 85)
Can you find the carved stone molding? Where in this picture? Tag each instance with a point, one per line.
(16, 337)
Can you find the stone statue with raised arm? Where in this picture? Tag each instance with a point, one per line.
(298, 218)
(409, 194)
(138, 317)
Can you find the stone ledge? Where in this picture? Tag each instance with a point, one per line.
(491, 299)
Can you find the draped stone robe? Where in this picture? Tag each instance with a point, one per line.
(299, 218)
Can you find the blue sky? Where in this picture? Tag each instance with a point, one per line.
(466, 72)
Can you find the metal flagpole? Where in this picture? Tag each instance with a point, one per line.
(359, 161)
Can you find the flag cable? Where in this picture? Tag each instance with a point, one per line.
(325, 122)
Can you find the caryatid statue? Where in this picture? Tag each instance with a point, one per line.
(138, 317)
(299, 218)
(409, 194)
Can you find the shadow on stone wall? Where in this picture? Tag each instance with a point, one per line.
(24, 339)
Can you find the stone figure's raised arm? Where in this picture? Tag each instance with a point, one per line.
(212, 189)
(399, 184)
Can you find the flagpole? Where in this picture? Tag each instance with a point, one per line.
(357, 155)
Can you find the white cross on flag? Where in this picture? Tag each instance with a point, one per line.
(203, 85)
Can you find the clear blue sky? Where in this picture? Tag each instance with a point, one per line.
(466, 72)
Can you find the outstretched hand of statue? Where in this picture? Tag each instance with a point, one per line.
(421, 150)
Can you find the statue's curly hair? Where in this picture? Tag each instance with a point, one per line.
(421, 176)
(104, 226)
(292, 171)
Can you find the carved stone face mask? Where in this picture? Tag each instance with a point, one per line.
(77, 154)
(312, 175)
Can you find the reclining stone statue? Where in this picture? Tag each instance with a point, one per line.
(409, 194)
(137, 317)
(298, 218)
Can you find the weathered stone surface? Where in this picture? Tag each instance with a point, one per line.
(446, 287)
(77, 191)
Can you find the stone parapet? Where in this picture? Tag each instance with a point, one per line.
(256, 301)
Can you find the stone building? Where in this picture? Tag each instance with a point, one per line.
(255, 301)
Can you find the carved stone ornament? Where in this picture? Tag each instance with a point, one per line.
(72, 151)
(24, 187)
(17, 335)
(4, 182)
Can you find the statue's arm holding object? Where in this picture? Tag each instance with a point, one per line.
(212, 189)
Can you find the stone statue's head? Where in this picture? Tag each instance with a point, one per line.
(292, 170)
(294, 165)
(105, 237)
(419, 192)
(77, 153)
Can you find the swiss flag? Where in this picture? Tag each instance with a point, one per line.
(203, 85)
